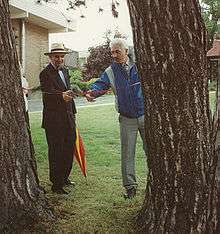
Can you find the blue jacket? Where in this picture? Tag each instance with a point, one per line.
(127, 89)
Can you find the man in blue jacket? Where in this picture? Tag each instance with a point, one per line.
(122, 77)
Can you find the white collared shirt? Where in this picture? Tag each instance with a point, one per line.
(60, 74)
(62, 77)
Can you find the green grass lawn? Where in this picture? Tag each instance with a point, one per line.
(212, 98)
(95, 205)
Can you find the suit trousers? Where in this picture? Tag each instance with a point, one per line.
(61, 143)
(129, 128)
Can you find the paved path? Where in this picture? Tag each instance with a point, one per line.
(36, 104)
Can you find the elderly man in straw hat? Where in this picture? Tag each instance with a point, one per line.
(58, 118)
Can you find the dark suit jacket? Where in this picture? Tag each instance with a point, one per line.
(56, 112)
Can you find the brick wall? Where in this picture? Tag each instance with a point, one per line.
(36, 45)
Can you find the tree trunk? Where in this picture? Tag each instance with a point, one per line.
(170, 49)
(22, 200)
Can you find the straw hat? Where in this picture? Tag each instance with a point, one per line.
(57, 48)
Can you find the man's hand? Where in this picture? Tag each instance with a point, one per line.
(68, 95)
(89, 97)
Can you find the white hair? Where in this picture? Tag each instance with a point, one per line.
(118, 41)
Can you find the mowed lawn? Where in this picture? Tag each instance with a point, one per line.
(94, 205)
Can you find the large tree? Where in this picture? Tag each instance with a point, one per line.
(22, 199)
(170, 48)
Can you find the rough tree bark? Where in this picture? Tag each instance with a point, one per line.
(21, 200)
(170, 45)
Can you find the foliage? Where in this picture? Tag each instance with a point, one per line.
(211, 14)
(77, 81)
(100, 56)
(75, 74)
(74, 4)
(95, 205)
(98, 60)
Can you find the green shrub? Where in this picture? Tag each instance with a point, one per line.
(75, 75)
(77, 82)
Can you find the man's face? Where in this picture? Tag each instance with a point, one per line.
(119, 54)
(57, 59)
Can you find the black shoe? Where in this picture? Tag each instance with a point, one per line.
(69, 182)
(130, 193)
(59, 190)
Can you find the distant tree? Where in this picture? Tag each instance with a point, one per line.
(100, 56)
(211, 15)
(99, 59)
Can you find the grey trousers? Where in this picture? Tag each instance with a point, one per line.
(128, 134)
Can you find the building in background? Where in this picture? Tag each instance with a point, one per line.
(83, 55)
(71, 60)
(32, 22)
